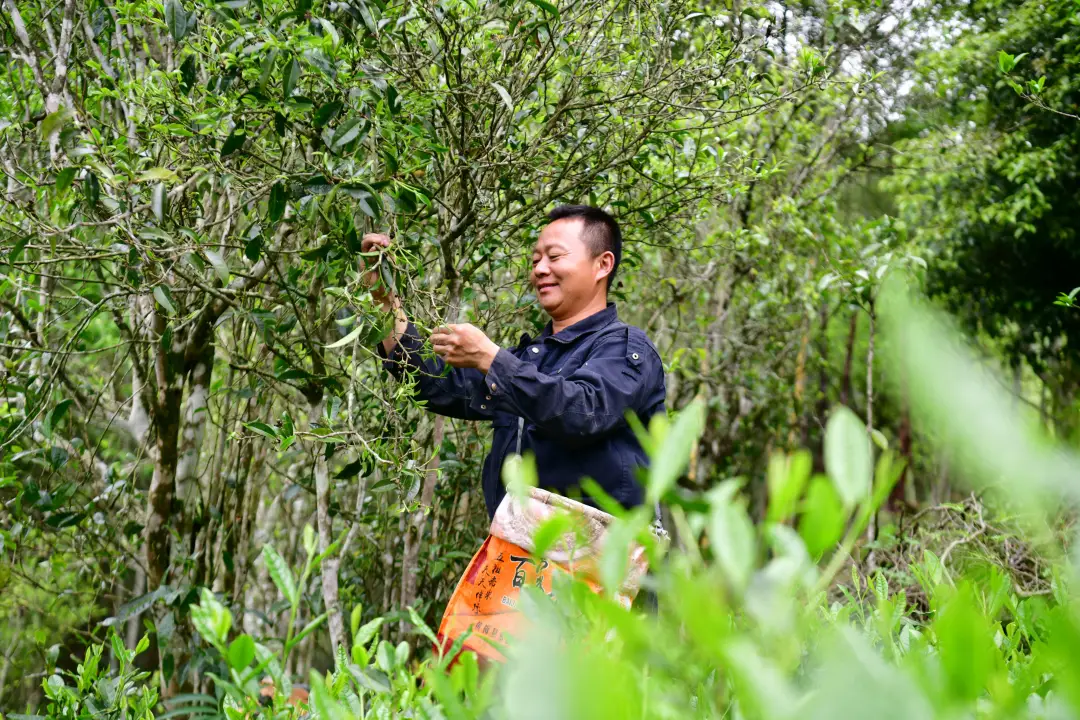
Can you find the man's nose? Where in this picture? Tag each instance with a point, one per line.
(540, 268)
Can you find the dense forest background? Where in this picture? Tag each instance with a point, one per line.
(189, 371)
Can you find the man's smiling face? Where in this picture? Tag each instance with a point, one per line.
(565, 274)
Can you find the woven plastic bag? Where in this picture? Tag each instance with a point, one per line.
(485, 600)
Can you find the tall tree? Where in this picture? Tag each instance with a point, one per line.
(185, 186)
(991, 182)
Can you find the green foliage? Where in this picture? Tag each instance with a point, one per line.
(765, 634)
(376, 679)
(192, 182)
(245, 665)
(787, 477)
(847, 456)
(212, 620)
(671, 457)
(190, 397)
(96, 690)
(783, 648)
(990, 188)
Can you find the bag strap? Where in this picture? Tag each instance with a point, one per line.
(658, 524)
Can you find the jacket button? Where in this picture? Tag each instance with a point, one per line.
(635, 356)
(535, 350)
(483, 407)
(488, 397)
(492, 386)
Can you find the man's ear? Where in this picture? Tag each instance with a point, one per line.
(605, 264)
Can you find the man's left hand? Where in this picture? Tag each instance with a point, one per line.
(464, 346)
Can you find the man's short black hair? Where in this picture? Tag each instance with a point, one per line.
(600, 231)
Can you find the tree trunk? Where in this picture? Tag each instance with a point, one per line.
(845, 379)
(907, 479)
(329, 569)
(388, 572)
(1043, 393)
(414, 534)
(160, 498)
(9, 652)
(196, 539)
(821, 406)
(904, 493)
(871, 529)
(196, 410)
(247, 505)
(262, 592)
(316, 399)
(138, 587)
(941, 492)
(140, 313)
(870, 378)
(800, 385)
(231, 504)
(215, 487)
(39, 365)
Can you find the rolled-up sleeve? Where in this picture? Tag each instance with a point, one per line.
(593, 400)
(446, 390)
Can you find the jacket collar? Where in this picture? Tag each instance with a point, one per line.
(591, 324)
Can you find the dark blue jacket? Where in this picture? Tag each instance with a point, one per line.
(570, 390)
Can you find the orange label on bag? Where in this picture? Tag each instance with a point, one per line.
(486, 598)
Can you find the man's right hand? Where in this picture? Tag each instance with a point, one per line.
(376, 242)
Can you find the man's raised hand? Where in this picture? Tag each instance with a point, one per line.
(464, 346)
(375, 242)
